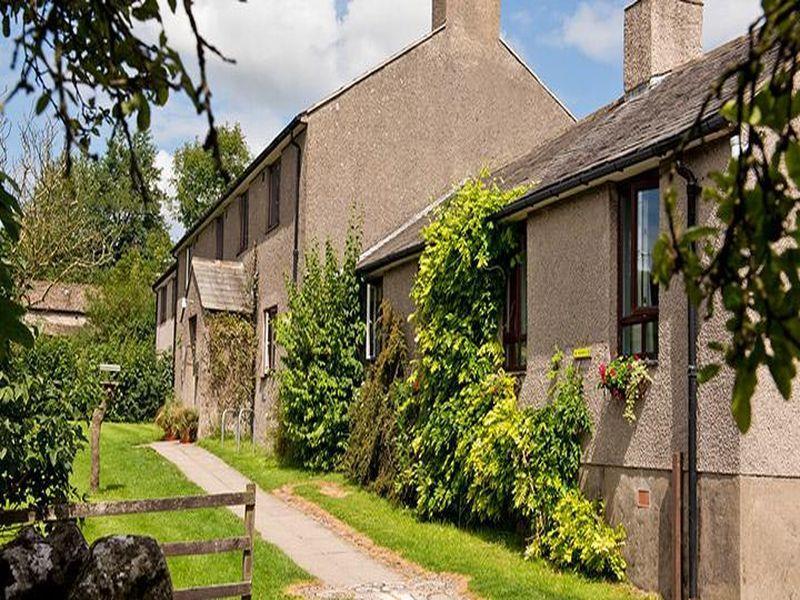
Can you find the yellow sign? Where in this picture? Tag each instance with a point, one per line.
(582, 353)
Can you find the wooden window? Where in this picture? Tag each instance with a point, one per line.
(273, 212)
(193, 343)
(162, 304)
(374, 293)
(639, 224)
(187, 257)
(244, 222)
(515, 314)
(219, 226)
(173, 305)
(269, 339)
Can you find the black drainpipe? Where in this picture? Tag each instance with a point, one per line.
(296, 248)
(692, 194)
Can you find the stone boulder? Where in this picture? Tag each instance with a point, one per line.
(33, 566)
(124, 567)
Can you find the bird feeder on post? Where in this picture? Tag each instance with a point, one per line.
(109, 383)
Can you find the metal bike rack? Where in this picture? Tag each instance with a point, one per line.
(239, 427)
(222, 423)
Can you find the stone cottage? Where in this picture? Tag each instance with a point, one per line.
(396, 141)
(589, 227)
(56, 308)
(425, 119)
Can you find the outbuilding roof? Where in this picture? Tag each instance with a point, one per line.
(615, 137)
(49, 296)
(222, 285)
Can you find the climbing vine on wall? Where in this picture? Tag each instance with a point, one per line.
(470, 452)
(232, 352)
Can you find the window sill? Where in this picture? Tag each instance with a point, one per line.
(272, 229)
(519, 372)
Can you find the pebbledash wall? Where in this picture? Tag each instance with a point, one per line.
(748, 484)
(380, 150)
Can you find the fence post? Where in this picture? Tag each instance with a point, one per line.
(249, 531)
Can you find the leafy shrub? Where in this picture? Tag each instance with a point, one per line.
(167, 419)
(186, 423)
(524, 460)
(321, 370)
(370, 459)
(581, 540)
(39, 437)
(143, 383)
(63, 368)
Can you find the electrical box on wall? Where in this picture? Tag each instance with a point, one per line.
(643, 498)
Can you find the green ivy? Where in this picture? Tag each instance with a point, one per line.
(371, 457)
(320, 334)
(232, 358)
(456, 376)
(468, 451)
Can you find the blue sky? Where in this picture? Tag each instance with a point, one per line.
(291, 53)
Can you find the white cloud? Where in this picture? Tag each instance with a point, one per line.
(290, 53)
(727, 19)
(596, 26)
(595, 29)
(163, 162)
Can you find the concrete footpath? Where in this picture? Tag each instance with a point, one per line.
(343, 569)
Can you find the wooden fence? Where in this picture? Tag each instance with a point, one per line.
(192, 548)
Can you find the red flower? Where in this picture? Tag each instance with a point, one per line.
(603, 372)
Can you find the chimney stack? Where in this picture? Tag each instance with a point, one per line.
(477, 18)
(660, 35)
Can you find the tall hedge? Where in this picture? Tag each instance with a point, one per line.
(321, 371)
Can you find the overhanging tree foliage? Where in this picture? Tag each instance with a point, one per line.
(747, 259)
(197, 180)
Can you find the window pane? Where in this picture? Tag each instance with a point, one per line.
(650, 338)
(647, 216)
(625, 266)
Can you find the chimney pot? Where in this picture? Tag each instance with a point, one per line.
(660, 35)
(476, 18)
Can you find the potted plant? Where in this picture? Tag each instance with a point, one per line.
(626, 379)
(190, 421)
(166, 420)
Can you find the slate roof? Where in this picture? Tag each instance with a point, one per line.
(47, 296)
(658, 118)
(222, 285)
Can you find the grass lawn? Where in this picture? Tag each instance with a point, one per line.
(491, 559)
(128, 471)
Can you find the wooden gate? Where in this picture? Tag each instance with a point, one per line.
(243, 588)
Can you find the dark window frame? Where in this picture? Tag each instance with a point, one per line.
(219, 231)
(514, 327)
(244, 222)
(270, 315)
(162, 304)
(639, 316)
(373, 298)
(274, 196)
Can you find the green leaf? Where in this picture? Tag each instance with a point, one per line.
(42, 103)
(793, 162)
(744, 387)
(708, 372)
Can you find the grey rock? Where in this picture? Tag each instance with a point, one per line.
(32, 566)
(124, 567)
